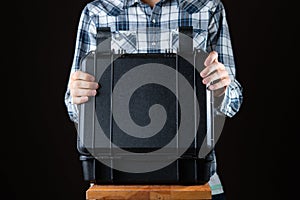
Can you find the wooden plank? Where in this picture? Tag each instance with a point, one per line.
(148, 192)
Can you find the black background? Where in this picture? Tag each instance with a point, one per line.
(40, 159)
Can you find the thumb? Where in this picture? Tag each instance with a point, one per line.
(211, 58)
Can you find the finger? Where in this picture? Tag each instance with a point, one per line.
(84, 85)
(83, 92)
(211, 68)
(222, 83)
(80, 100)
(216, 75)
(80, 75)
(211, 58)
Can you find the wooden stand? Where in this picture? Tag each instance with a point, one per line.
(148, 192)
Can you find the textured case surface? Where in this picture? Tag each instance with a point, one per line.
(146, 103)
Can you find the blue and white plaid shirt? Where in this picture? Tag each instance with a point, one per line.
(129, 18)
(125, 17)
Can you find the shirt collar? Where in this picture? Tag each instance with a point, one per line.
(185, 4)
(133, 2)
(130, 2)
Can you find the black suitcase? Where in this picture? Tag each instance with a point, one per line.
(151, 121)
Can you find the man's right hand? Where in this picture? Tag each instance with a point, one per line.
(82, 85)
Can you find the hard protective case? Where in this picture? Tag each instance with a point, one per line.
(137, 86)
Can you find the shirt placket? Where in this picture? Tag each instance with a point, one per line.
(154, 31)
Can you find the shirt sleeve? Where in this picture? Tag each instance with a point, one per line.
(219, 41)
(85, 42)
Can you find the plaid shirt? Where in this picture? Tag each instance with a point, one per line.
(134, 26)
(127, 17)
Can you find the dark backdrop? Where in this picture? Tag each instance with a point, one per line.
(40, 158)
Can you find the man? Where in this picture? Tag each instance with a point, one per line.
(207, 18)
